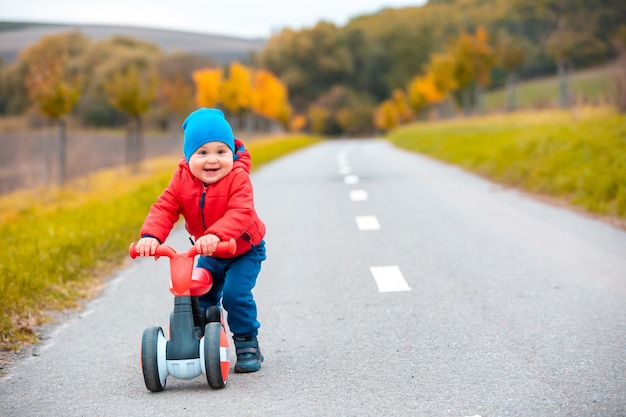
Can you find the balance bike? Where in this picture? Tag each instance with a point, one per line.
(198, 343)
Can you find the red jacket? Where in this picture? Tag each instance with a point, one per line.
(225, 209)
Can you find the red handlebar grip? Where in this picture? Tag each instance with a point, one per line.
(227, 247)
(161, 250)
(164, 250)
(224, 248)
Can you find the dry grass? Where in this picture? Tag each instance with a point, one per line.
(61, 242)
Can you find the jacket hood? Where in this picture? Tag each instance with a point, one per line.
(242, 155)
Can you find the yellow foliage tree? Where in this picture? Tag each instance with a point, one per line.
(386, 116)
(400, 101)
(474, 59)
(236, 91)
(423, 91)
(297, 123)
(269, 97)
(284, 114)
(484, 57)
(441, 69)
(207, 82)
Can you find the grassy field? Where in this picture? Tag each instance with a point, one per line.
(58, 244)
(596, 85)
(577, 156)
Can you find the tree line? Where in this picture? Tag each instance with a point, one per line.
(374, 73)
(126, 80)
(442, 55)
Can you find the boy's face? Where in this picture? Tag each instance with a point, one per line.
(211, 162)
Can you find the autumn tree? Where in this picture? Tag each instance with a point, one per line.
(54, 85)
(474, 59)
(101, 61)
(297, 123)
(236, 91)
(356, 119)
(423, 91)
(270, 98)
(386, 116)
(309, 61)
(318, 118)
(349, 111)
(571, 33)
(417, 92)
(440, 82)
(176, 97)
(509, 56)
(401, 103)
(131, 90)
(54, 93)
(208, 82)
(177, 89)
(441, 69)
(244, 90)
(560, 44)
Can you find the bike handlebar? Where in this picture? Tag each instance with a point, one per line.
(228, 247)
(181, 264)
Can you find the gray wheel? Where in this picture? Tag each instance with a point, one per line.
(153, 358)
(216, 355)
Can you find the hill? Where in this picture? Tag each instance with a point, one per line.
(16, 36)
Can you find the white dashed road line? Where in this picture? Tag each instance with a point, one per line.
(351, 179)
(358, 195)
(367, 223)
(389, 278)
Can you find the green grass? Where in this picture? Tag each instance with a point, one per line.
(578, 156)
(58, 244)
(590, 85)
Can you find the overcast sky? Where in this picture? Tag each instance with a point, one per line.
(242, 18)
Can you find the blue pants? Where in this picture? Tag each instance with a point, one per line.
(233, 281)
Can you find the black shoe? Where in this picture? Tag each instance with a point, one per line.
(249, 355)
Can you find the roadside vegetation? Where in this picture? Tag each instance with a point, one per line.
(59, 244)
(394, 71)
(577, 156)
(593, 86)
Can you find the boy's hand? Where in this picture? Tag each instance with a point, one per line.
(207, 244)
(146, 246)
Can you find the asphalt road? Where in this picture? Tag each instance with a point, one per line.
(394, 286)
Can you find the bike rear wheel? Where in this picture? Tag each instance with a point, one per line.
(216, 355)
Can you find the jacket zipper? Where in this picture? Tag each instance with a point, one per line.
(206, 186)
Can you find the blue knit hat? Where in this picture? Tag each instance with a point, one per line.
(206, 125)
